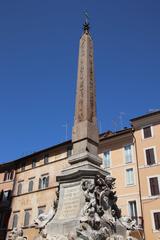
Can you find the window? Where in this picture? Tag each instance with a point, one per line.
(156, 217)
(133, 210)
(43, 182)
(128, 153)
(129, 176)
(15, 220)
(154, 186)
(27, 217)
(147, 132)
(107, 159)
(8, 175)
(30, 186)
(6, 195)
(46, 158)
(33, 163)
(41, 210)
(150, 156)
(23, 167)
(69, 151)
(19, 190)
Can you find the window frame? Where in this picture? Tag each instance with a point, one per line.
(129, 201)
(149, 125)
(46, 156)
(6, 198)
(30, 180)
(40, 184)
(28, 220)
(132, 153)
(155, 155)
(153, 220)
(149, 188)
(134, 179)
(19, 183)
(17, 215)
(8, 176)
(110, 158)
(34, 161)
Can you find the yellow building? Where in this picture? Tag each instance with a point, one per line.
(131, 155)
(147, 146)
(28, 185)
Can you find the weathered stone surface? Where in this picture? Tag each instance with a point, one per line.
(70, 201)
(85, 131)
(17, 234)
(87, 208)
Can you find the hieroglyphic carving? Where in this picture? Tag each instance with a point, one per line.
(86, 82)
(80, 102)
(91, 85)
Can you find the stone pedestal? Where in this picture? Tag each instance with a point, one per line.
(72, 199)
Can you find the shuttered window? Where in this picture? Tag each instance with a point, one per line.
(8, 175)
(147, 133)
(43, 182)
(133, 210)
(33, 163)
(46, 158)
(107, 159)
(27, 218)
(130, 176)
(128, 153)
(154, 186)
(157, 220)
(6, 195)
(150, 157)
(30, 186)
(19, 190)
(23, 167)
(15, 220)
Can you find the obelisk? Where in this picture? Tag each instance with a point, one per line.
(85, 137)
(84, 162)
(85, 132)
(86, 206)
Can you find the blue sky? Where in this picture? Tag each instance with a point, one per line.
(39, 43)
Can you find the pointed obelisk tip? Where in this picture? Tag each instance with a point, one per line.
(86, 26)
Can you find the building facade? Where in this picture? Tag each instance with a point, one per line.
(28, 185)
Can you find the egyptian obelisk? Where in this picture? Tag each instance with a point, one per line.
(84, 162)
(85, 131)
(86, 208)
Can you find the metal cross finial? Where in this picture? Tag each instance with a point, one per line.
(86, 16)
(86, 23)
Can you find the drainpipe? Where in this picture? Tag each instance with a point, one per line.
(137, 163)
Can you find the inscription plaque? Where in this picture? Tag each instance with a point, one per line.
(70, 203)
